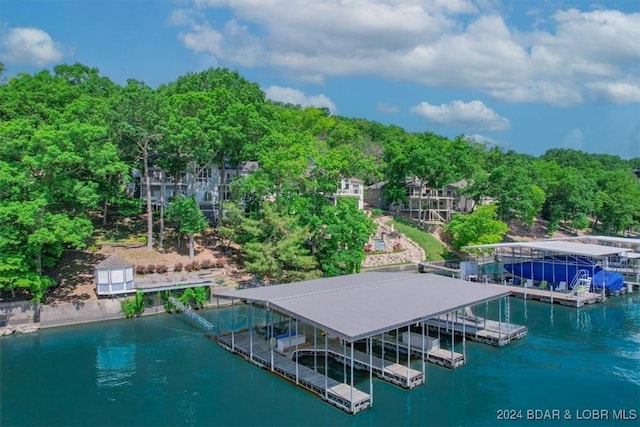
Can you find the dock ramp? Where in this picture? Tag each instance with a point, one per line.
(201, 321)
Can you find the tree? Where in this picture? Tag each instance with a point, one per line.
(341, 238)
(137, 122)
(188, 218)
(478, 228)
(274, 245)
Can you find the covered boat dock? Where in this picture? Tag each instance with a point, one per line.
(557, 271)
(350, 319)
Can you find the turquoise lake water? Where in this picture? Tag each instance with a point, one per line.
(160, 370)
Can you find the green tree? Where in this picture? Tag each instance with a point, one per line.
(188, 218)
(478, 228)
(137, 122)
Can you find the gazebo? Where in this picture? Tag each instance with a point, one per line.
(114, 276)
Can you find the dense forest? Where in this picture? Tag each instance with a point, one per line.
(70, 139)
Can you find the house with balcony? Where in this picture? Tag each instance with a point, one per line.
(350, 187)
(437, 205)
(204, 182)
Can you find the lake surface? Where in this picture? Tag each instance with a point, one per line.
(160, 370)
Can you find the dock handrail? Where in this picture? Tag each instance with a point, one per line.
(581, 283)
(193, 315)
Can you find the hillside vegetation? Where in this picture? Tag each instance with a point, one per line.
(71, 138)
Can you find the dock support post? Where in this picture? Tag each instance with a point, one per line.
(326, 356)
(344, 360)
(297, 355)
(233, 338)
(453, 339)
(408, 353)
(352, 377)
(371, 370)
(464, 335)
(500, 318)
(250, 334)
(397, 346)
(315, 352)
(424, 371)
(218, 313)
(271, 337)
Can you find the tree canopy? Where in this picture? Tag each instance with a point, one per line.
(70, 140)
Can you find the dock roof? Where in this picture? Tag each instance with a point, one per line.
(560, 246)
(362, 305)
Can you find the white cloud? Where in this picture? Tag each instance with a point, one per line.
(386, 108)
(616, 92)
(29, 46)
(438, 43)
(289, 95)
(470, 115)
(202, 39)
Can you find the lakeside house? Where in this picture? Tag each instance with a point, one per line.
(206, 181)
(209, 190)
(350, 187)
(438, 204)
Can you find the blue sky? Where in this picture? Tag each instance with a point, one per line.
(526, 75)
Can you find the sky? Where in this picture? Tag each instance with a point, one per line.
(526, 75)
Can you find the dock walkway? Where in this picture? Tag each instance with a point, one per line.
(436, 355)
(479, 329)
(556, 297)
(351, 400)
(394, 373)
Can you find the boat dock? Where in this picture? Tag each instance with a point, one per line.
(479, 329)
(342, 318)
(563, 298)
(434, 354)
(394, 373)
(258, 352)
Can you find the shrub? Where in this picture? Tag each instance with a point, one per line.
(195, 265)
(133, 306)
(151, 268)
(397, 247)
(206, 263)
(177, 267)
(368, 247)
(161, 268)
(141, 269)
(218, 265)
(188, 267)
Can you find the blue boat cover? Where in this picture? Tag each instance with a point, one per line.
(564, 269)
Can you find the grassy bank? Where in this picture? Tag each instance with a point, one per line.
(433, 248)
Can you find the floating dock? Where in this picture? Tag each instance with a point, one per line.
(330, 317)
(562, 298)
(341, 395)
(479, 329)
(434, 354)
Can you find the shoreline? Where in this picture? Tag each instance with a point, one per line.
(25, 317)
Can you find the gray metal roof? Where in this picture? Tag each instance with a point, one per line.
(559, 246)
(361, 305)
(114, 261)
(609, 239)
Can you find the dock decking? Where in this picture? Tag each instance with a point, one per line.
(351, 400)
(436, 355)
(479, 329)
(394, 373)
(563, 298)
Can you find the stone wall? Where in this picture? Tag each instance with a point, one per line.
(20, 316)
(409, 251)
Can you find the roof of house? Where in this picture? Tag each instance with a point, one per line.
(366, 304)
(114, 261)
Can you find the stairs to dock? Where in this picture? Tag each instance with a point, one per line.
(204, 323)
